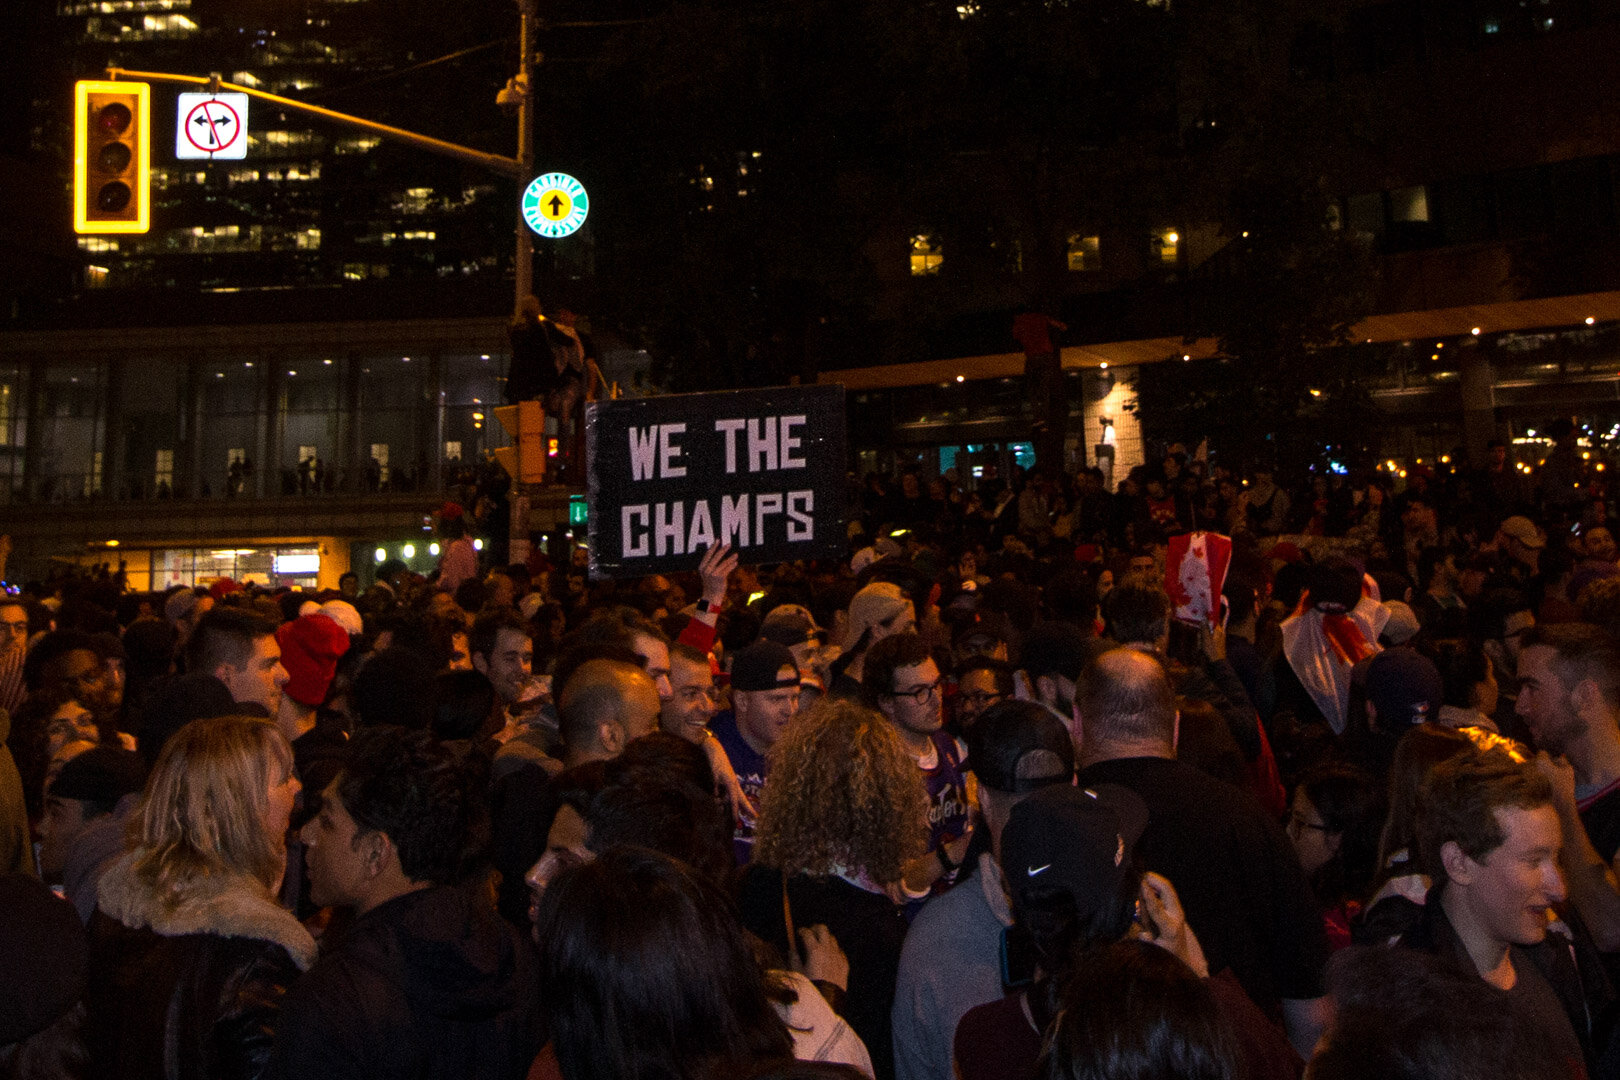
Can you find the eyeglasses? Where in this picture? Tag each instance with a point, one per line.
(920, 694)
(1298, 824)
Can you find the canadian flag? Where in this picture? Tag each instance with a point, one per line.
(1195, 572)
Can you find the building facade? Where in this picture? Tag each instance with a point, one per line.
(166, 447)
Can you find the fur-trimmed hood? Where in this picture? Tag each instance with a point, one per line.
(229, 907)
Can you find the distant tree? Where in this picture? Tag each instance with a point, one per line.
(1279, 300)
(763, 166)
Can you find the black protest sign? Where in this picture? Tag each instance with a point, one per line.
(762, 470)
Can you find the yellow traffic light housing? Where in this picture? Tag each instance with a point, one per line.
(112, 158)
(525, 459)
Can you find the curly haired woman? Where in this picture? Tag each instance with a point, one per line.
(844, 809)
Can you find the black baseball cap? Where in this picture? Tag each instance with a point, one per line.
(1020, 746)
(789, 624)
(1078, 840)
(1405, 687)
(764, 665)
(102, 774)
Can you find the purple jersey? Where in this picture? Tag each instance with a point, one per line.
(750, 768)
(948, 808)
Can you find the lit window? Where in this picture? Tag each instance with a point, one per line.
(927, 255)
(163, 473)
(1409, 204)
(168, 25)
(303, 141)
(1083, 252)
(1168, 244)
(379, 454)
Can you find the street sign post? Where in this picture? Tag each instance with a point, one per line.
(211, 126)
(555, 205)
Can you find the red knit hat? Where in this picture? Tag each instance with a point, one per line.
(222, 588)
(310, 647)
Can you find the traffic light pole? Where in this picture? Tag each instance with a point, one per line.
(523, 268)
(521, 167)
(494, 162)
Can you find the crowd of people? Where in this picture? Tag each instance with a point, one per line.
(981, 800)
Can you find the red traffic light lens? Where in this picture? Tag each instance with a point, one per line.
(114, 157)
(112, 197)
(114, 119)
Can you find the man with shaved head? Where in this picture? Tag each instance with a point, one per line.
(1244, 892)
(606, 704)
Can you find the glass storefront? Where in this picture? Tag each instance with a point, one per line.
(182, 420)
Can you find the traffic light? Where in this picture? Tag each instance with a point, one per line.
(112, 134)
(525, 459)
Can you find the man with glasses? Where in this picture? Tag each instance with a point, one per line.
(980, 683)
(74, 664)
(902, 681)
(13, 649)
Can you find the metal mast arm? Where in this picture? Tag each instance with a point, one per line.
(494, 162)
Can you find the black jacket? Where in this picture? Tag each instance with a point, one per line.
(1567, 960)
(869, 928)
(433, 984)
(190, 992)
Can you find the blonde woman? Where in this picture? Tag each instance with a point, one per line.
(844, 808)
(190, 953)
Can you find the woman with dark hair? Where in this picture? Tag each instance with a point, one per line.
(1131, 1009)
(1400, 887)
(47, 729)
(644, 973)
(659, 795)
(1469, 687)
(1334, 823)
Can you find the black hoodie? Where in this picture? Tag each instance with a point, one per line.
(432, 984)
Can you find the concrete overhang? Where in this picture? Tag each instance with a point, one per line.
(1549, 312)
